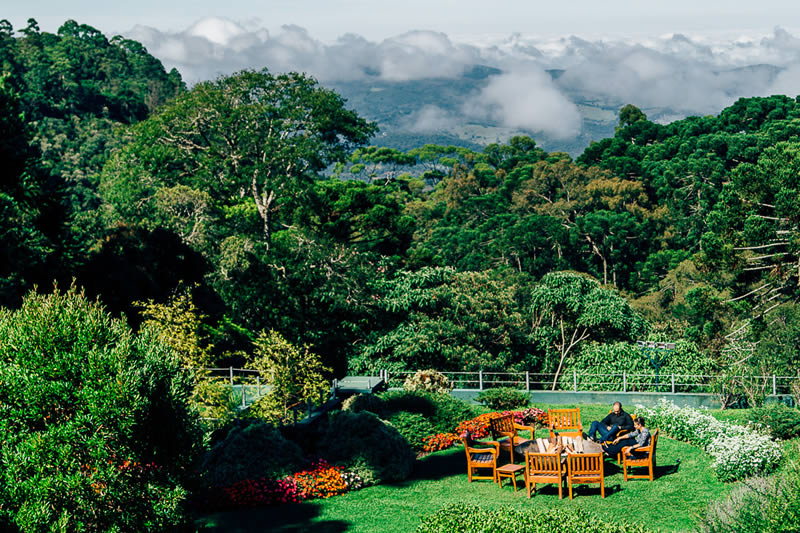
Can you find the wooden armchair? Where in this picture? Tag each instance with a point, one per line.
(544, 468)
(566, 422)
(504, 431)
(481, 455)
(641, 460)
(586, 468)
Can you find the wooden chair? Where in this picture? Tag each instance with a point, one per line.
(642, 460)
(483, 458)
(504, 431)
(544, 468)
(566, 422)
(586, 468)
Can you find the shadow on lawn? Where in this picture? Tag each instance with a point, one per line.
(293, 518)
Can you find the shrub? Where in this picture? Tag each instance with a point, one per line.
(428, 381)
(442, 410)
(364, 402)
(420, 402)
(251, 451)
(470, 518)
(93, 419)
(413, 426)
(449, 411)
(738, 451)
(366, 445)
(503, 399)
(783, 421)
(758, 504)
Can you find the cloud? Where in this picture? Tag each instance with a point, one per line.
(669, 76)
(428, 119)
(527, 100)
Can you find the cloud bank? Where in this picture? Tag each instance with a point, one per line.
(677, 75)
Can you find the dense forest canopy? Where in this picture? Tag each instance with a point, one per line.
(255, 195)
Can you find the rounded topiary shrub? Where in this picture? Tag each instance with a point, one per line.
(504, 399)
(412, 401)
(95, 429)
(428, 381)
(365, 444)
(413, 426)
(250, 451)
(783, 421)
(364, 402)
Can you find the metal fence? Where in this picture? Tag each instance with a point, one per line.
(248, 385)
(598, 382)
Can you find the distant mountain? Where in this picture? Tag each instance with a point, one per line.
(399, 108)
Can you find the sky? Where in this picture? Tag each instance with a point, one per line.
(378, 19)
(674, 58)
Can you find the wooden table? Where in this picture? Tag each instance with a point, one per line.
(532, 447)
(509, 471)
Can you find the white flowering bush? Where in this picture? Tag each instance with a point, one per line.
(738, 451)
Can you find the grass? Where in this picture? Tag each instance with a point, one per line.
(684, 486)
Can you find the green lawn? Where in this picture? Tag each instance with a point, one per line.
(673, 502)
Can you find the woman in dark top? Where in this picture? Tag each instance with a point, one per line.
(638, 438)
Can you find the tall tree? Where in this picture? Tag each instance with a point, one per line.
(253, 134)
(569, 308)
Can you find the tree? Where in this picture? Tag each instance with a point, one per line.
(447, 320)
(569, 308)
(295, 374)
(95, 430)
(251, 135)
(630, 114)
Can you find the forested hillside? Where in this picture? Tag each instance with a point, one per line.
(253, 198)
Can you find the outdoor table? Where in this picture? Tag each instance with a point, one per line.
(532, 447)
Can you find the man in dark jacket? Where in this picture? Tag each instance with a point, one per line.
(616, 421)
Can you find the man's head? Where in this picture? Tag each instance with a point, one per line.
(617, 407)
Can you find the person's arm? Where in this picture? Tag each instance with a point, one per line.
(628, 436)
(627, 423)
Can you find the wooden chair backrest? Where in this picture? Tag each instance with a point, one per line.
(585, 464)
(543, 464)
(655, 441)
(502, 426)
(560, 419)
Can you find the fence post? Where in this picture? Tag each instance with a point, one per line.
(774, 385)
(624, 382)
(574, 381)
(480, 379)
(673, 383)
(258, 386)
(243, 389)
(527, 381)
(231, 376)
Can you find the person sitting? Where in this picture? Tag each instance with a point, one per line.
(638, 438)
(616, 421)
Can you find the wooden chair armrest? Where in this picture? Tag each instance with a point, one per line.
(492, 447)
(627, 449)
(524, 428)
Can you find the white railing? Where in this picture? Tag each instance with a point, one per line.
(668, 383)
(252, 385)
